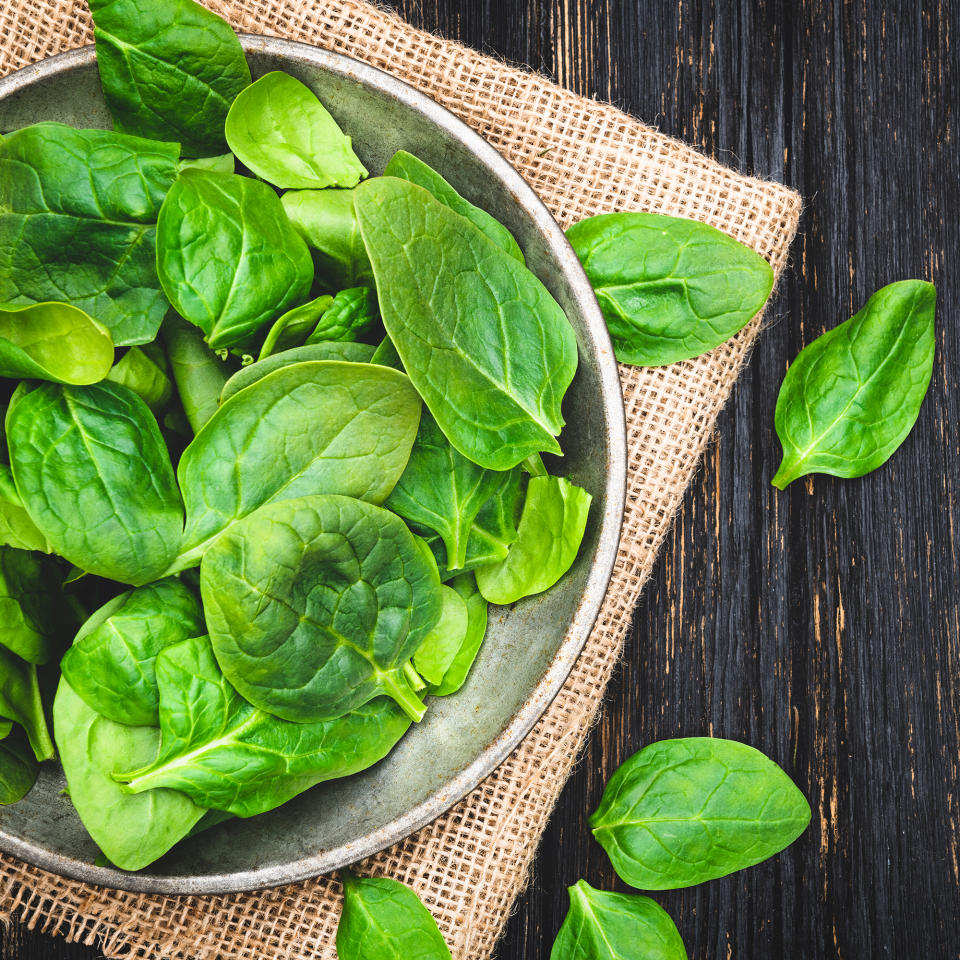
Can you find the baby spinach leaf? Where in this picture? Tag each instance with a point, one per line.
(315, 606)
(53, 341)
(669, 288)
(292, 329)
(78, 210)
(136, 371)
(16, 527)
(386, 355)
(455, 676)
(169, 70)
(353, 315)
(5, 727)
(225, 753)
(132, 830)
(111, 663)
(334, 427)
(385, 920)
(228, 259)
(551, 528)
(18, 767)
(681, 812)
(408, 167)
(280, 130)
(439, 648)
(34, 622)
(327, 221)
(852, 396)
(224, 163)
(20, 701)
(96, 479)
(197, 371)
(615, 926)
(487, 347)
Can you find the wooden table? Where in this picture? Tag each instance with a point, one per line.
(821, 625)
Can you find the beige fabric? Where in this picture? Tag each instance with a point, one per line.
(583, 158)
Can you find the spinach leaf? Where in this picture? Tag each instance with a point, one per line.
(315, 606)
(34, 621)
(439, 647)
(16, 527)
(408, 167)
(386, 355)
(111, 664)
(197, 371)
(442, 490)
(349, 352)
(224, 163)
(455, 676)
(132, 830)
(361, 419)
(353, 315)
(551, 528)
(53, 341)
(136, 371)
(5, 727)
(20, 701)
(169, 70)
(385, 920)
(681, 812)
(18, 767)
(227, 257)
(280, 130)
(615, 926)
(487, 347)
(669, 288)
(95, 477)
(78, 210)
(292, 329)
(327, 221)
(225, 753)
(852, 396)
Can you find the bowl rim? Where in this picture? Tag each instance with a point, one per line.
(601, 569)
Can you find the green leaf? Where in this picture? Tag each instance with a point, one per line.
(280, 130)
(362, 422)
(225, 753)
(615, 926)
(16, 527)
(78, 210)
(315, 606)
(132, 830)
(439, 647)
(224, 163)
(169, 70)
(34, 619)
(353, 315)
(228, 259)
(197, 371)
(53, 341)
(681, 812)
(551, 529)
(669, 288)
(292, 328)
(408, 167)
(136, 371)
(111, 664)
(852, 396)
(487, 347)
(96, 479)
(20, 701)
(18, 767)
(456, 674)
(385, 920)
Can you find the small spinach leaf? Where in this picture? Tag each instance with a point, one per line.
(292, 328)
(439, 647)
(224, 163)
(136, 371)
(18, 767)
(20, 701)
(33, 619)
(16, 527)
(353, 315)
(456, 674)
(197, 371)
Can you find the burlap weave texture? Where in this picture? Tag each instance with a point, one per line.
(583, 158)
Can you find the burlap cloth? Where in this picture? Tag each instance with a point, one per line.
(582, 157)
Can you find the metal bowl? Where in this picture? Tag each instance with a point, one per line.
(530, 647)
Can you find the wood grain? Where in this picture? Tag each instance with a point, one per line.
(822, 624)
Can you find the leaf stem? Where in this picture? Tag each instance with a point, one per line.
(395, 685)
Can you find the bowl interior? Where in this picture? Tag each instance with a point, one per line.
(529, 648)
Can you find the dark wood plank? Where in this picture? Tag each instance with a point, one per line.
(820, 624)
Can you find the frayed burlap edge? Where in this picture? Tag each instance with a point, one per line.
(582, 157)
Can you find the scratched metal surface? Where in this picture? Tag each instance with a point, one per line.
(821, 625)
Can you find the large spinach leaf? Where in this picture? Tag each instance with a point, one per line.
(78, 212)
(169, 70)
(852, 396)
(353, 315)
(197, 371)
(439, 647)
(20, 701)
(111, 664)
(227, 257)
(315, 606)
(280, 130)
(615, 926)
(225, 753)
(669, 288)
(681, 812)
(16, 527)
(487, 347)
(455, 676)
(18, 766)
(323, 426)
(34, 620)
(96, 478)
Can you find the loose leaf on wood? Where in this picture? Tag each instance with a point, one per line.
(136, 371)
(96, 479)
(35, 622)
(669, 288)
(681, 812)
(852, 396)
(16, 527)
(18, 766)
(439, 647)
(385, 920)
(353, 315)
(465, 585)
(197, 371)
(225, 753)
(292, 328)
(169, 69)
(615, 926)
(20, 701)
(280, 130)
(487, 347)
(227, 257)
(78, 213)
(315, 606)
